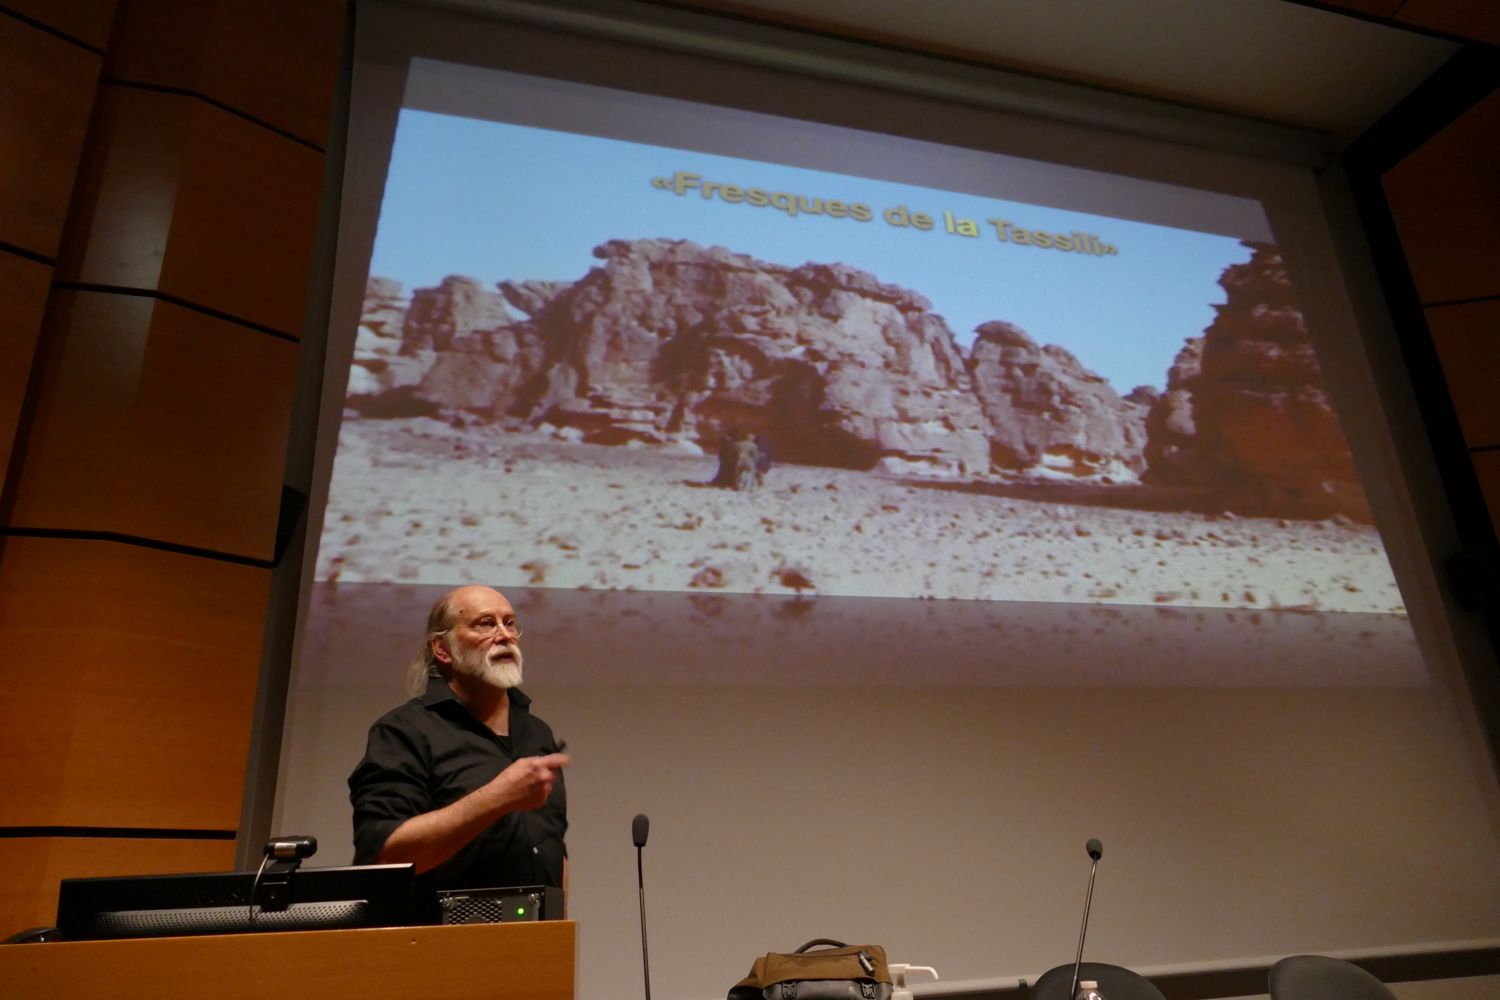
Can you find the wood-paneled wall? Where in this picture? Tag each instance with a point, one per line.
(161, 164)
(1445, 199)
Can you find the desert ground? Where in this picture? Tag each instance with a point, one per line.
(420, 501)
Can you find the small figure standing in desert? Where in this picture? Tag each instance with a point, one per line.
(742, 463)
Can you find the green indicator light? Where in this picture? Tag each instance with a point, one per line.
(520, 911)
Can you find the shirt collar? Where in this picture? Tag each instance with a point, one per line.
(438, 692)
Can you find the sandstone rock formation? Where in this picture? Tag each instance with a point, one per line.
(671, 343)
(1045, 409)
(458, 306)
(381, 378)
(1246, 415)
(1172, 445)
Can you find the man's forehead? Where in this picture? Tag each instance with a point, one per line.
(467, 602)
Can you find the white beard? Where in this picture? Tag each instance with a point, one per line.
(495, 668)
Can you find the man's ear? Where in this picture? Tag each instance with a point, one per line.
(440, 650)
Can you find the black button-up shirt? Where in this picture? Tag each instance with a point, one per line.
(431, 752)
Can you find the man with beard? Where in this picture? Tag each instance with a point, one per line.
(462, 780)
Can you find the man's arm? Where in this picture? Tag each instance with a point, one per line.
(429, 839)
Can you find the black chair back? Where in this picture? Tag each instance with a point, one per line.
(1315, 977)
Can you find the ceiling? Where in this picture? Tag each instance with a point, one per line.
(1270, 60)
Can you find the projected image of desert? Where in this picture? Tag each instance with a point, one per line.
(683, 416)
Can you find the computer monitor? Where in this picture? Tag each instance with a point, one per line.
(220, 903)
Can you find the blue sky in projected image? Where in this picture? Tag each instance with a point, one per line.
(506, 202)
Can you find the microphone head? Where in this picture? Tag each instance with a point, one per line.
(1095, 849)
(639, 827)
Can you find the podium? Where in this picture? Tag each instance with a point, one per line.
(516, 961)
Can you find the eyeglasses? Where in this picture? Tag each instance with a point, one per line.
(487, 628)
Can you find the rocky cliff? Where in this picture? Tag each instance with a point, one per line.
(671, 343)
(1246, 414)
(1043, 408)
(667, 341)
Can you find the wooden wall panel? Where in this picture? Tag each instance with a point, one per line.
(1375, 8)
(1446, 201)
(1467, 339)
(179, 204)
(183, 419)
(86, 20)
(46, 90)
(274, 60)
(31, 867)
(190, 200)
(1476, 19)
(1487, 468)
(121, 214)
(130, 687)
(23, 298)
(245, 222)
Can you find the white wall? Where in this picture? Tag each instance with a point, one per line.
(947, 822)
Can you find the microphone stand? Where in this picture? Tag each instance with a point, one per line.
(640, 879)
(1087, 901)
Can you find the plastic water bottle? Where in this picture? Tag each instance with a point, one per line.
(1088, 989)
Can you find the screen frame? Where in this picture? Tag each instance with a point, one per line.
(1367, 378)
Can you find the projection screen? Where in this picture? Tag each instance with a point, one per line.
(897, 493)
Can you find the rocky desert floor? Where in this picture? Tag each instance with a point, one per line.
(419, 501)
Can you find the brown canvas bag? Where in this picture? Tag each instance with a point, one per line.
(835, 972)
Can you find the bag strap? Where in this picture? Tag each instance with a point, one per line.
(820, 943)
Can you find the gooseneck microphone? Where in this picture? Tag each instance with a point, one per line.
(1096, 851)
(639, 828)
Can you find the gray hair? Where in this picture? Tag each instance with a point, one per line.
(425, 664)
